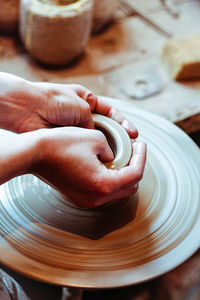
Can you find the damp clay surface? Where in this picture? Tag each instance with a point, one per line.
(42, 234)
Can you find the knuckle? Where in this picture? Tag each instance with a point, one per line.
(92, 203)
(78, 86)
(133, 189)
(85, 107)
(100, 136)
(103, 187)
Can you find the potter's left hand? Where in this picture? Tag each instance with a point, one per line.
(71, 160)
(27, 106)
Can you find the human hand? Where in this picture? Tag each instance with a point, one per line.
(27, 106)
(70, 159)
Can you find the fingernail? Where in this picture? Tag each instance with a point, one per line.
(126, 124)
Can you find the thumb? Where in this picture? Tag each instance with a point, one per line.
(105, 154)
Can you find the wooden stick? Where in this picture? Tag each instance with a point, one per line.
(141, 13)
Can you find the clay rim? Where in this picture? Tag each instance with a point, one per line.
(60, 5)
(60, 2)
(117, 138)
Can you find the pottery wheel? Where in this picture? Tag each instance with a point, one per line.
(121, 243)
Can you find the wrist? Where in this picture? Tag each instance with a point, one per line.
(37, 145)
(21, 157)
(42, 144)
(20, 104)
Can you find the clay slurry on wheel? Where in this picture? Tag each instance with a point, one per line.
(162, 234)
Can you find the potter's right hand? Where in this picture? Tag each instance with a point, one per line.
(71, 160)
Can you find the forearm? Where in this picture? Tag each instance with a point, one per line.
(18, 153)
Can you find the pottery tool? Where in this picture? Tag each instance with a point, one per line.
(124, 242)
(142, 85)
(55, 33)
(131, 7)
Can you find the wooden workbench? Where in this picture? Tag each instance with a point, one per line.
(110, 66)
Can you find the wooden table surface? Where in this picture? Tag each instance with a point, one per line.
(110, 66)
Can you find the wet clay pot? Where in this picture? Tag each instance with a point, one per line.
(55, 32)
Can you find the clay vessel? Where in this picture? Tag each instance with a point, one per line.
(55, 32)
(103, 13)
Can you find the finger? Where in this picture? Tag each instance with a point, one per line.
(138, 156)
(98, 105)
(87, 95)
(87, 122)
(105, 109)
(128, 126)
(104, 153)
(121, 194)
(133, 173)
(102, 107)
(125, 192)
(85, 118)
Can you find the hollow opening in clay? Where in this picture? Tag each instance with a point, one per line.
(110, 138)
(60, 2)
